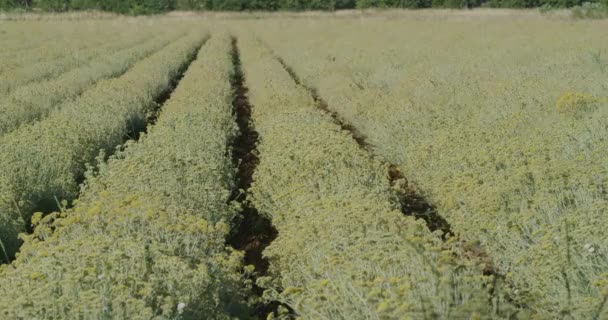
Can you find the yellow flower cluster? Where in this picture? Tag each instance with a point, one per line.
(575, 103)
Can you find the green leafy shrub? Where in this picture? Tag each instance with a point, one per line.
(137, 7)
(345, 4)
(591, 10)
(393, 4)
(8, 4)
(52, 5)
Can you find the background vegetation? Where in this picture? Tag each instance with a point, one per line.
(158, 6)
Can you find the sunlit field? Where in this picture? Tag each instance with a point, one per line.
(429, 164)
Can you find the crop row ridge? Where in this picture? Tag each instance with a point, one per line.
(134, 133)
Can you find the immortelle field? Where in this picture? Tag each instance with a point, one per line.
(359, 165)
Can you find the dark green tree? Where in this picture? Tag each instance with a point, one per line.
(346, 4)
(52, 5)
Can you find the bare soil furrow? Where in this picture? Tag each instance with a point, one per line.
(252, 232)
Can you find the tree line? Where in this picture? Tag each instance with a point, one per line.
(158, 6)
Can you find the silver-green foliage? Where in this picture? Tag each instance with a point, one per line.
(344, 250)
(41, 68)
(33, 101)
(42, 162)
(510, 144)
(29, 43)
(146, 239)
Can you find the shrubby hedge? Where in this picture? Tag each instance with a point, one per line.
(158, 6)
(119, 6)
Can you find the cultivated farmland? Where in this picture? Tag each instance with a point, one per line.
(371, 165)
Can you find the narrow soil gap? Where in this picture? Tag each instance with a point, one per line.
(252, 232)
(135, 128)
(414, 204)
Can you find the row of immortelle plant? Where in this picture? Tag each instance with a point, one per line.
(44, 161)
(47, 41)
(513, 153)
(146, 238)
(83, 53)
(34, 101)
(344, 249)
